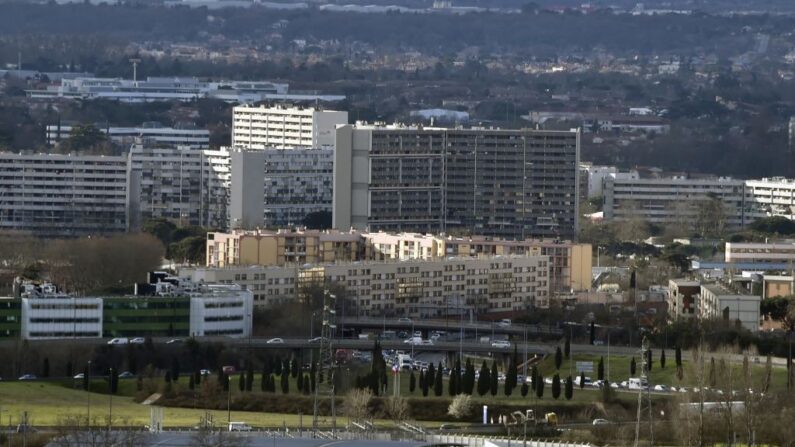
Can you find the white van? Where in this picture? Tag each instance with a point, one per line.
(405, 361)
(119, 341)
(637, 383)
(239, 426)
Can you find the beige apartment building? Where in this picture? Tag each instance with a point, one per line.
(569, 264)
(415, 288)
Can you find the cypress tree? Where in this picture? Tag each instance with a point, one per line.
(452, 384)
(678, 357)
(175, 369)
(533, 377)
(512, 378)
(45, 368)
(263, 383)
(558, 357)
(582, 379)
(540, 386)
(570, 388)
(225, 382)
(494, 379)
(114, 381)
(69, 370)
(469, 378)
(600, 370)
(632, 367)
(649, 359)
(483, 380)
(299, 383)
(592, 335)
(294, 368)
(306, 386)
(556, 386)
(277, 366)
(662, 358)
(285, 381)
(524, 389)
(567, 347)
(438, 386)
(241, 382)
(191, 383)
(312, 376)
(249, 376)
(426, 383)
(412, 382)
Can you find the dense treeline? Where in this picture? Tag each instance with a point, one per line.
(536, 33)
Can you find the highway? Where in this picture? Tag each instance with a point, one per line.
(479, 327)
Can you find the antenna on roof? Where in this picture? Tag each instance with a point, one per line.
(135, 61)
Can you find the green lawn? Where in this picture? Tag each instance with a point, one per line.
(48, 403)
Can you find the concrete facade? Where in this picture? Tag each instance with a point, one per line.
(681, 299)
(716, 302)
(285, 127)
(416, 288)
(277, 188)
(151, 134)
(760, 253)
(508, 183)
(53, 195)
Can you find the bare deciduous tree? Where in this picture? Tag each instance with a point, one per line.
(461, 406)
(357, 402)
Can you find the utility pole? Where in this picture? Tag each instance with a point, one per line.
(326, 360)
(135, 61)
(644, 395)
(88, 396)
(110, 401)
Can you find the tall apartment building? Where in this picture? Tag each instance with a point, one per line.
(569, 264)
(184, 185)
(417, 288)
(277, 188)
(149, 133)
(508, 183)
(53, 195)
(771, 197)
(261, 127)
(596, 177)
(676, 200)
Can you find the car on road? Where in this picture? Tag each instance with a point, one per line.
(500, 344)
(79, 376)
(126, 375)
(204, 372)
(274, 341)
(137, 341)
(239, 426)
(601, 422)
(413, 341)
(598, 343)
(504, 323)
(426, 342)
(661, 388)
(119, 341)
(174, 340)
(317, 340)
(28, 377)
(404, 320)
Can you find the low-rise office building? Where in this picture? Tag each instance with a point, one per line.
(777, 285)
(716, 302)
(152, 133)
(773, 253)
(414, 288)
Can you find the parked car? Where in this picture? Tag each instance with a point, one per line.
(404, 320)
(137, 341)
(228, 370)
(661, 388)
(28, 377)
(174, 340)
(317, 340)
(504, 323)
(79, 376)
(500, 344)
(274, 341)
(426, 342)
(126, 375)
(601, 422)
(118, 341)
(204, 372)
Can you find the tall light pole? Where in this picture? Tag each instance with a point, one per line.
(110, 400)
(88, 396)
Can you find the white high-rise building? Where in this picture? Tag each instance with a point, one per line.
(285, 127)
(771, 197)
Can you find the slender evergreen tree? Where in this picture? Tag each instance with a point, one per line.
(412, 382)
(438, 386)
(569, 388)
(600, 370)
(556, 386)
(494, 379)
(540, 386)
(483, 380)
